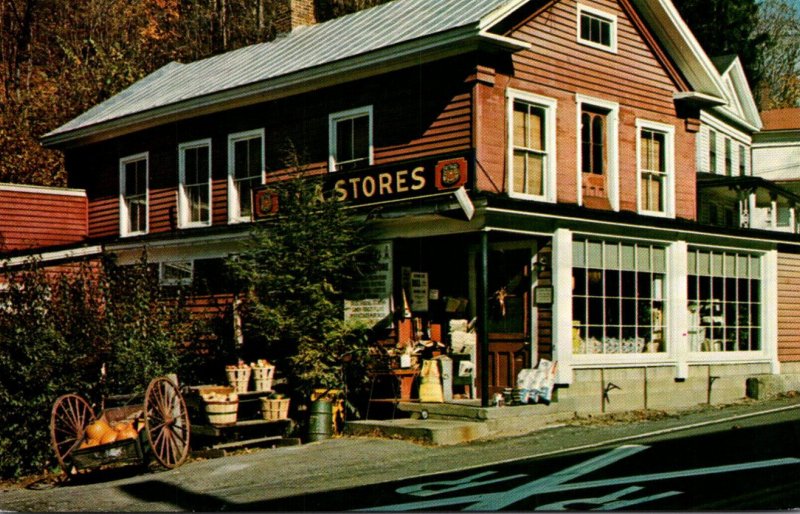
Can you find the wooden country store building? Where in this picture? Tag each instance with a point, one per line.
(530, 164)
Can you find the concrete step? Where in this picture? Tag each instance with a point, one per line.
(450, 423)
(430, 431)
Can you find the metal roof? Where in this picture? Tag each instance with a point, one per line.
(380, 27)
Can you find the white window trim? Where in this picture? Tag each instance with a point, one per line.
(669, 164)
(183, 201)
(334, 118)
(234, 202)
(610, 18)
(124, 215)
(612, 135)
(550, 106)
(175, 282)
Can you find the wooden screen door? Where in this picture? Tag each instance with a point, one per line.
(509, 316)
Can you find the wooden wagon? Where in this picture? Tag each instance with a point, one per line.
(160, 420)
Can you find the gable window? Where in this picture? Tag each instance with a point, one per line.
(728, 157)
(712, 151)
(531, 146)
(194, 195)
(597, 28)
(655, 150)
(245, 171)
(597, 153)
(350, 134)
(133, 191)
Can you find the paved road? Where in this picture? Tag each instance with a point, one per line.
(738, 468)
(747, 462)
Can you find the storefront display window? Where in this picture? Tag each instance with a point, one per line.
(618, 297)
(724, 301)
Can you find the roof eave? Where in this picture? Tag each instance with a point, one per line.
(682, 46)
(429, 49)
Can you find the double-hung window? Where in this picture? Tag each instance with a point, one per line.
(350, 139)
(656, 163)
(597, 28)
(133, 194)
(724, 301)
(245, 171)
(194, 195)
(531, 146)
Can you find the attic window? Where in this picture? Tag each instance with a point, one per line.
(597, 29)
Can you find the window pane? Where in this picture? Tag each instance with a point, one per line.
(595, 254)
(344, 140)
(535, 172)
(520, 113)
(519, 171)
(254, 158)
(578, 253)
(536, 129)
(240, 165)
(361, 137)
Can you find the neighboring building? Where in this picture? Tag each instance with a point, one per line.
(729, 194)
(27, 214)
(529, 164)
(776, 149)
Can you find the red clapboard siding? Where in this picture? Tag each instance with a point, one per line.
(788, 307)
(559, 67)
(419, 112)
(34, 217)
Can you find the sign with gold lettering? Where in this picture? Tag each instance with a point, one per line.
(381, 184)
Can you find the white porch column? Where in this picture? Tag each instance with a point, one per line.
(769, 305)
(677, 307)
(562, 304)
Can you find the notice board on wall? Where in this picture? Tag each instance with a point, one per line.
(370, 300)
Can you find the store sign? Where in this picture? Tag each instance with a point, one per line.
(381, 184)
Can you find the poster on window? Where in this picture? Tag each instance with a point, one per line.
(370, 300)
(419, 292)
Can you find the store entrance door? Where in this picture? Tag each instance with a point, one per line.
(509, 316)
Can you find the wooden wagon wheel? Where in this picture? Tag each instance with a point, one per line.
(167, 422)
(70, 416)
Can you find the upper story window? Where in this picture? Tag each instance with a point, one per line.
(712, 151)
(194, 192)
(593, 140)
(656, 168)
(597, 153)
(597, 28)
(350, 145)
(531, 146)
(728, 157)
(245, 171)
(133, 191)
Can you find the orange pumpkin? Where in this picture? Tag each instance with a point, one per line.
(128, 433)
(109, 437)
(97, 429)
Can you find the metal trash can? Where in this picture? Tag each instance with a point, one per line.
(320, 420)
